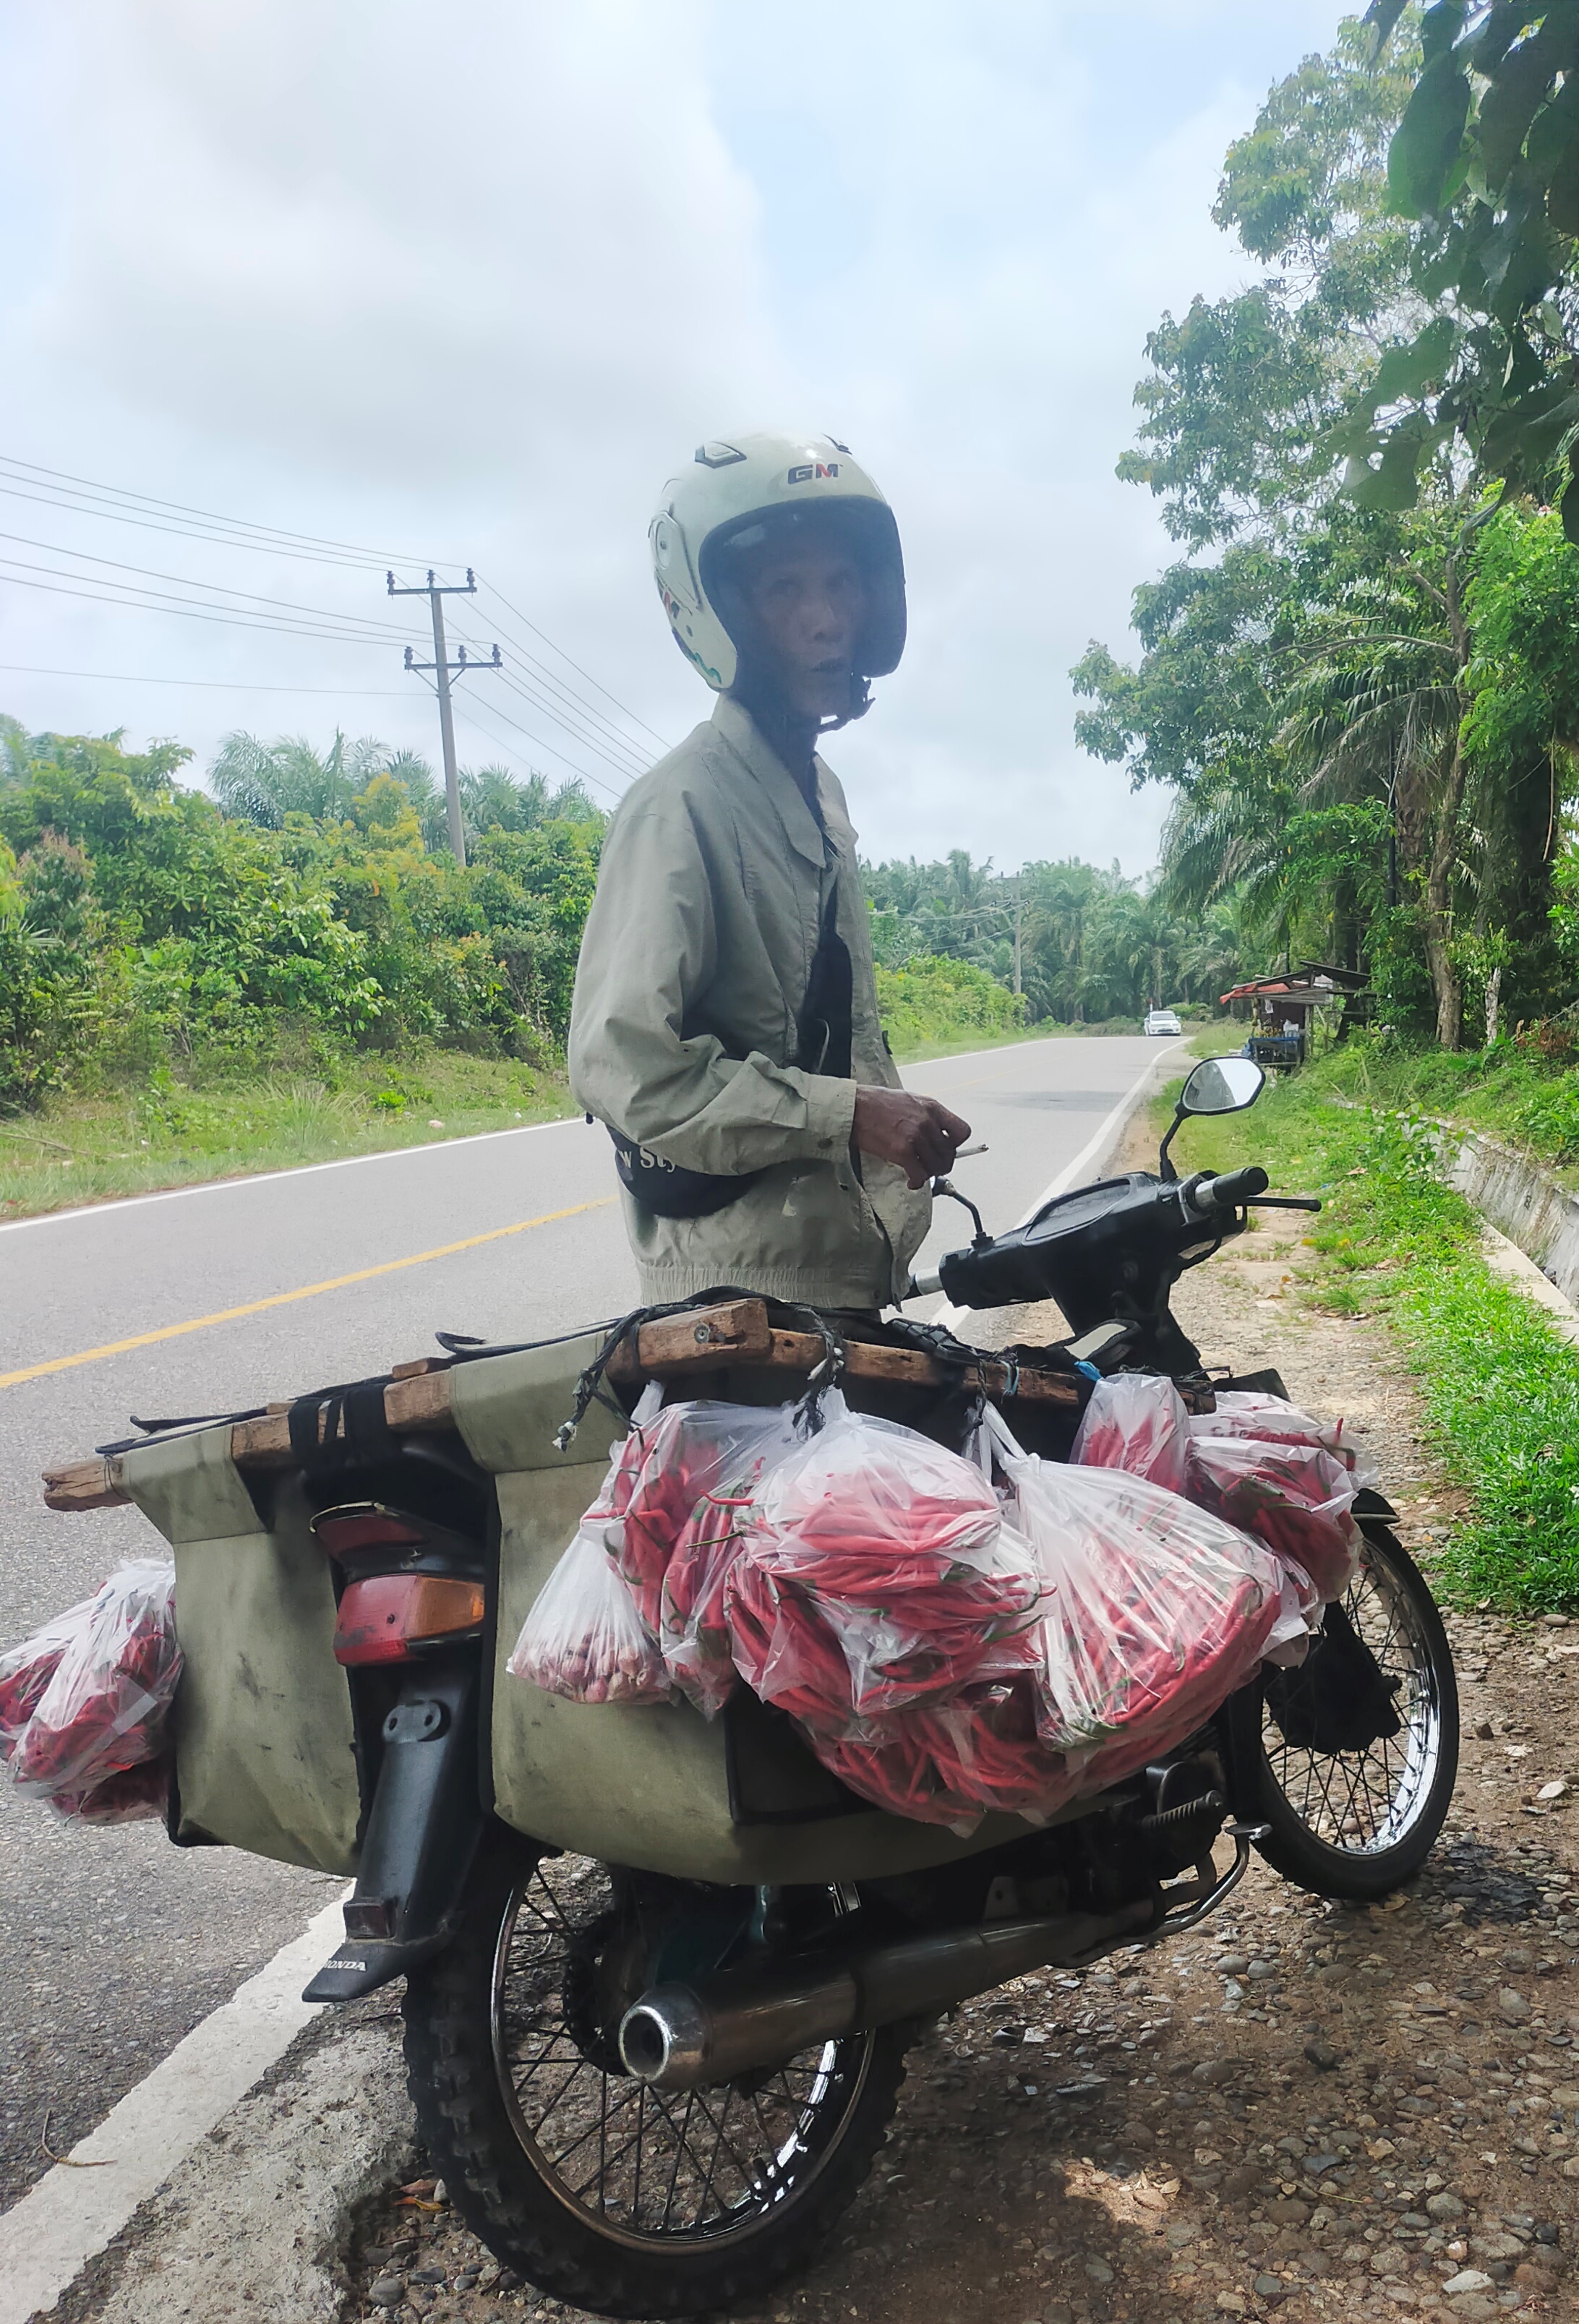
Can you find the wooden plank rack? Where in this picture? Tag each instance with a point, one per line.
(708, 1339)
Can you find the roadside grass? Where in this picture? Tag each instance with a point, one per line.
(923, 1047)
(164, 1133)
(1526, 1097)
(1500, 1387)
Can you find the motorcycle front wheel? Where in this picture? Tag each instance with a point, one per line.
(1350, 1760)
(597, 2189)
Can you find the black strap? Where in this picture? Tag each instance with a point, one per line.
(826, 1025)
(342, 1428)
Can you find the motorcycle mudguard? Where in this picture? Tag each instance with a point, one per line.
(423, 1832)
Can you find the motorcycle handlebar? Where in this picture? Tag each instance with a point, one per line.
(1230, 1190)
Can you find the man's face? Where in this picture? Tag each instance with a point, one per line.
(809, 603)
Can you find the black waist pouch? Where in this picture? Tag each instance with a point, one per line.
(825, 1035)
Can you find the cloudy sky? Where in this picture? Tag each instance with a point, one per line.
(465, 285)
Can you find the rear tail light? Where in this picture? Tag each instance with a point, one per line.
(389, 1617)
(365, 1525)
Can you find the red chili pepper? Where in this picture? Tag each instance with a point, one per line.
(105, 1705)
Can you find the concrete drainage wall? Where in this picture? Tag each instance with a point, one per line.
(1519, 1200)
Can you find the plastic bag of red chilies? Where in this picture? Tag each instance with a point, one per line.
(1285, 1488)
(25, 1671)
(1296, 1498)
(688, 1453)
(951, 1762)
(104, 1706)
(1136, 1422)
(133, 1796)
(583, 1638)
(879, 1574)
(667, 1521)
(1273, 1420)
(1156, 1612)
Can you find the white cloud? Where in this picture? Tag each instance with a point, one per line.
(474, 283)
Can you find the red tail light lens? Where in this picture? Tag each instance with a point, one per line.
(383, 1619)
(365, 1525)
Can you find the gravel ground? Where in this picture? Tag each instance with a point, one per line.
(1306, 2109)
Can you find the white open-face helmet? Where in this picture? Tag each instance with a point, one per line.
(742, 492)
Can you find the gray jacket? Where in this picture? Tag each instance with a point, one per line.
(692, 977)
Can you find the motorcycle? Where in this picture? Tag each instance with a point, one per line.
(650, 2083)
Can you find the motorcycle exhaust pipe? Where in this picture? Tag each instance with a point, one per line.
(677, 2037)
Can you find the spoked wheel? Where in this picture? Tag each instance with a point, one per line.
(596, 2187)
(1351, 1758)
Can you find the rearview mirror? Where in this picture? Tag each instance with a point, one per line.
(1217, 1085)
(1221, 1086)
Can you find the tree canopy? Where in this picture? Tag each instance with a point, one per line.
(1354, 682)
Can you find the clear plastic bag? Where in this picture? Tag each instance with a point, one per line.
(879, 1573)
(583, 1638)
(693, 1632)
(1296, 1497)
(108, 1696)
(1273, 1420)
(956, 1761)
(1136, 1422)
(135, 1795)
(26, 1670)
(675, 1459)
(1156, 1612)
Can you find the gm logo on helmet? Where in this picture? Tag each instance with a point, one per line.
(815, 469)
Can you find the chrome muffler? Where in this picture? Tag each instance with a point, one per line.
(677, 2037)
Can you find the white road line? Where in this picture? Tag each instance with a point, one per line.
(114, 1204)
(119, 1203)
(1094, 1151)
(63, 2222)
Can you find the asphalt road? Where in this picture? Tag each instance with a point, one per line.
(112, 1944)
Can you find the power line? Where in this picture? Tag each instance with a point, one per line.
(572, 712)
(627, 768)
(221, 685)
(69, 506)
(78, 496)
(208, 588)
(235, 621)
(495, 589)
(581, 773)
(211, 516)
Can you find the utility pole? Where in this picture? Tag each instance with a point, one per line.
(1019, 883)
(442, 666)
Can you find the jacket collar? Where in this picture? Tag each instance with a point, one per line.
(740, 731)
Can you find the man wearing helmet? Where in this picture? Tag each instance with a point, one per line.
(725, 1026)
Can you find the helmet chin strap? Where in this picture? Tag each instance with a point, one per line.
(860, 704)
(791, 731)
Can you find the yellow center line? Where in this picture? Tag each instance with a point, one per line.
(288, 1298)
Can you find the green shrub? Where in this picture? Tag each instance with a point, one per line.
(932, 1002)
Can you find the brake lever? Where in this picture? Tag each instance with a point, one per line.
(1283, 1202)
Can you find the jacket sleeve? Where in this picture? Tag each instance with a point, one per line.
(649, 950)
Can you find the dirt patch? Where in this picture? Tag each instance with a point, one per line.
(1305, 2110)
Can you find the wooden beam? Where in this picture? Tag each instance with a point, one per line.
(735, 1333)
(913, 1368)
(418, 1402)
(93, 1484)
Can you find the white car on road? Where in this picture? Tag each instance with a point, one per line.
(1163, 1021)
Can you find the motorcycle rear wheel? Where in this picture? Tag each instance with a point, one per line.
(1356, 1824)
(596, 2189)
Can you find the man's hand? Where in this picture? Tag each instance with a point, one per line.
(917, 1132)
